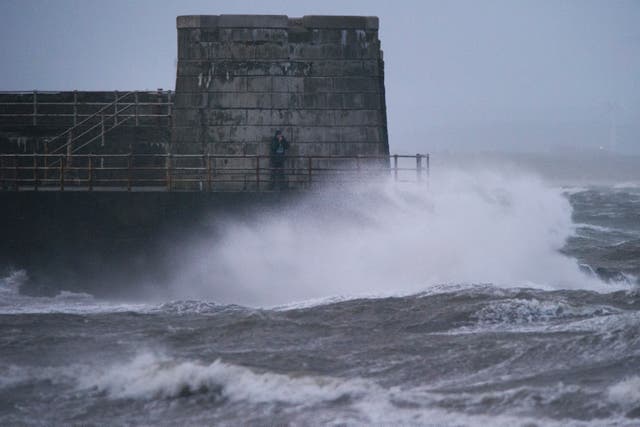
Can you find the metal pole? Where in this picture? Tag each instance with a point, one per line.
(129, 172)
(16, 173)
(168, 169)
(102, 129)
(258, 172)
(46, 160)
(395, 167)
(35, 107)
(115, 109)
(90, 172)
(69, 146)
(61, 172)
(35, 171)
(75, 107)
(209, 186)
(428, 166)
(136, 112)
(169, 106)
(419, 167)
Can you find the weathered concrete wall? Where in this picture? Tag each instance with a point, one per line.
(320, 79)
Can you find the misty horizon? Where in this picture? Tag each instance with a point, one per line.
(525, 77)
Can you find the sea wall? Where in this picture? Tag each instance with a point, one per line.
(114, 243)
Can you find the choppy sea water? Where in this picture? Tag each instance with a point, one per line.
(559, 346)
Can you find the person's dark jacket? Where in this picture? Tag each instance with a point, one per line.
(279, 147)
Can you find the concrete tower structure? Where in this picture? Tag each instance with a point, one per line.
(320, 79)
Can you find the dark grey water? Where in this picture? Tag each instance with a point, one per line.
(454, 354)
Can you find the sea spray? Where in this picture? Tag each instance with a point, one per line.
(483, 227)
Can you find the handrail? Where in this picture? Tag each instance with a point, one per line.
(206, 172)
(101, 110)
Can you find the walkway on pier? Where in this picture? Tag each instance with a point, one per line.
(206, 173)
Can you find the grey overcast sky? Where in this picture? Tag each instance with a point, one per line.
(536, 75)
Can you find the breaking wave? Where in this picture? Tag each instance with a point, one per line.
(392, 240)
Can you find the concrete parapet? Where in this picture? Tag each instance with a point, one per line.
(277, 21)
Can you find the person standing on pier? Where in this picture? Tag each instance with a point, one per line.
(279, 147)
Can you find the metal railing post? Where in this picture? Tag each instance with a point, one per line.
(16, 172)
(258, 172)
(169, 112)
(35, 172)
(115, 109)
(75, 107)
(35, 107)
(46, 161)
(419, 167)
(62, 172)
(102, 129)
(168, 172)
(136, 111)
(428, 166)
(90, 173)
(209, 184)
(395, 167)
(129, 172)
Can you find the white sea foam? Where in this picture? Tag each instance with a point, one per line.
(390, 239)
(631, 185)
(306, 399)
(523, 311)
(12, 302)
(626, 393)
(152, 376)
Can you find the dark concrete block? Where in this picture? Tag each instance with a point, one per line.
(186, 134)
(259, 117)
(188, 148)
(353, 134)
(271, 51)
(317, 84)
(356, 84)
(300, 35)
(191, 118)
(316, 134)
(315, 100)
(191, 100)
(228, 83)
(334, 100)
(358, 118)
(286, 100)
(260, 84)
(288, 84)
(312, 117)
(234, 117)
(252, 35)
(240, 100)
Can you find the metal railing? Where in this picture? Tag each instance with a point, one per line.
(93, 114)
(209, 172)
(37, 105)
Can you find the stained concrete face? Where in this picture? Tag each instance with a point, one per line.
(320, 79)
